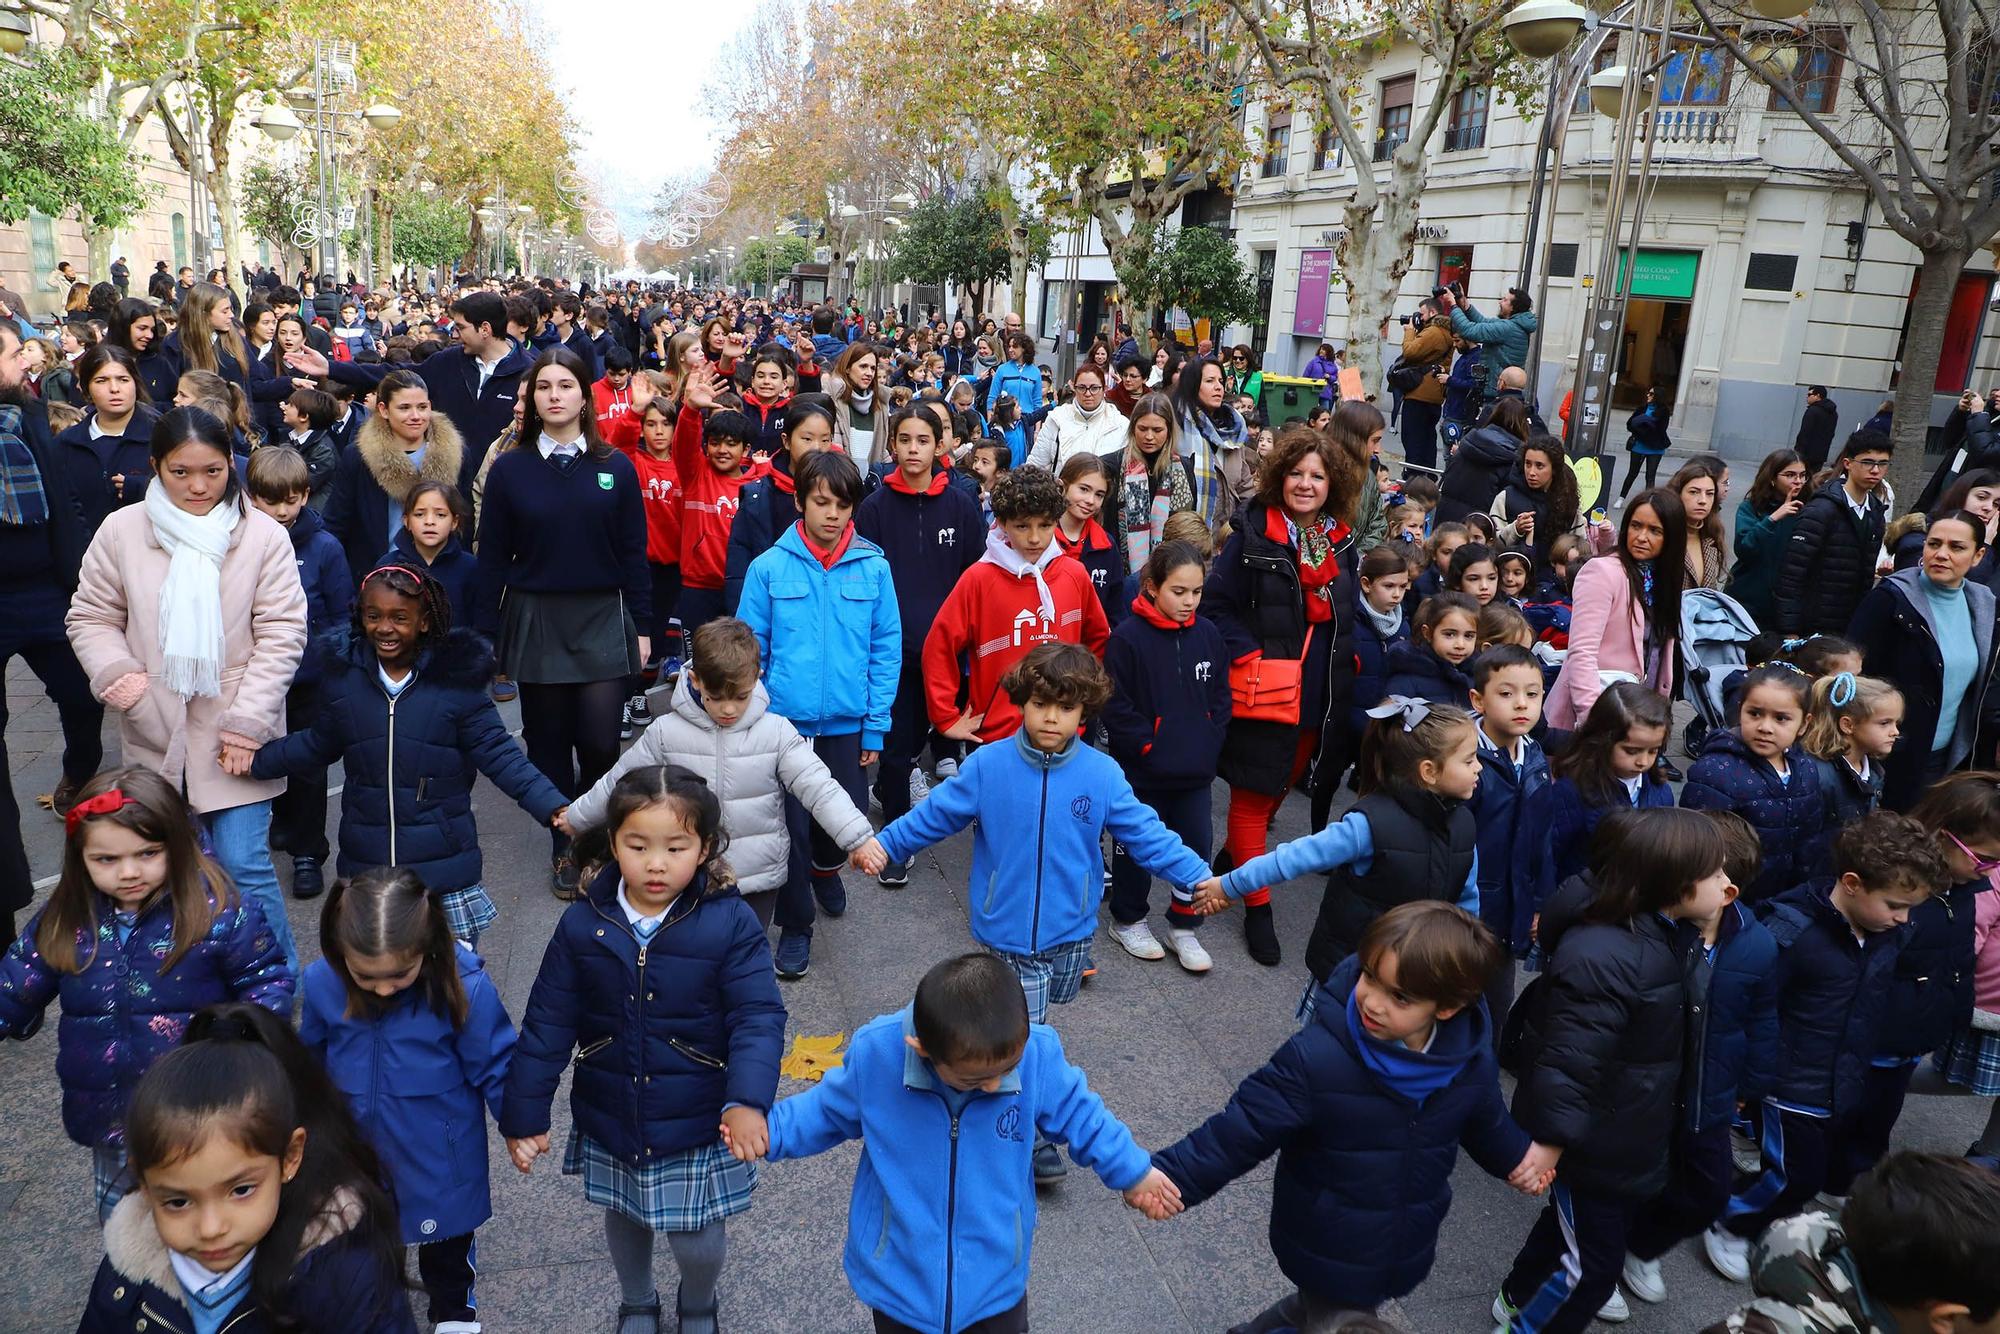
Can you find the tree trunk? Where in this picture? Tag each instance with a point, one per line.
(99, 257)
(1930, 307)
(1373, 258)
(385, 234)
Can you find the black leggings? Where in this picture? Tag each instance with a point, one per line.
(1652, 462)
(571, 732)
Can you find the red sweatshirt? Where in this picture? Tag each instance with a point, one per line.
(612, 405)
(994, 618)
(708, 505)
(659, 484)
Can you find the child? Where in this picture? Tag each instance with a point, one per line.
(404, 708)
(1837, 944)
(1481, 529)
(1500, 623)
(429, 541)
(413, 1032)
(941, 1222)
(1444, 542)
(1168, 713)
(142, 930)
(1610, 765)
(770, 505)
(1035, 898)
(772, 384)
(1507, 703)
(931, 533)
(1366, 1107)
(645, 435)
(1022, 592)
(1381, 622)
(1732, 1021)
(704, 1031)
(1548, 605)
(1757, 770)
(1419, 765)
(1086, 480)
(709, 461)
(991, 460)
(1597, 1046)
(1820, 656)
(1850, 729)
(1474, 572)
(1409, 522)
(1008, 426)
(309, 415)
(1517, 571)
(1431, 663)
(276, 479)
(259, 1203)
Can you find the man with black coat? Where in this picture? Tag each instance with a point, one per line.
(1816, 427)
(1829, 564)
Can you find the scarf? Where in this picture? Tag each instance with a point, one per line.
(1414, 1074)
(826, 556)
(1092, 538)
(782, 477)
(1010, 560)
(986, 362)
(1387, 623)
(895, 481)
(860, 404)
(1149, 611)
(23, 504)
(191, 597)
(1317, 564)
(1202, 437)
(1143, 508)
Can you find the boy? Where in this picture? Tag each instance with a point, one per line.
(941, 1096)
(276, 478)
(709, 458)
(1366, 1107)
(721, 726)
(822, 604)
(1022, 592)
(930, 532)
(309, 415)
(1837, 944)
(611, 397)
(1732, 1022)
(1507, 701)
(643, 431)
(1043, 801)
(991, 460)
(772, 384)
(347, 424)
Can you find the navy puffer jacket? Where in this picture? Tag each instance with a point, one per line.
(1412, 668)
(663, 1034)
(1788, 816)
(1364, 1171)
(1371, 658)
(1832, 992)
(1930, 994)
(439, 734)
(1845, 796)
(1735, 1035)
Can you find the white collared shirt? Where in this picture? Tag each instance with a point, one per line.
(549, 446)
(632, 915)
(1632, 788)
(486, 369)
(197, 1277)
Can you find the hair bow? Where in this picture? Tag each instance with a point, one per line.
(1792, 645)
(1412, 711)
(1841, 693)
(104, 803)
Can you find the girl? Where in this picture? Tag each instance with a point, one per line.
(189, 619)
(403, 442)
(769, 505)
(1430, 664)
(1086, 480)
(1445, 540)
(1474, 572)
(1379, 626)
(1758, 770)
(1151, 479)
(1007, 427)
(142, 930)
(260, 1206)
(1481, 528)
(1626, 612)
(1964, 810)
(1764, 521)
(645, 435)
(207, 338)
(705, 1027)
(1502, 624)
(1646, 440)
(403, 705)
(1419, 765)
(1517, 569)
(1850, 730)
(412, 1031)
(1166, 721)
(109, 466)
(1699, 485)
(429, 541)
(225, 399)
(1610, 765)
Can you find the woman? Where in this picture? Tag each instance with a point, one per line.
(1161, 376)
(1084, 425)
(1539, 503)
(113, 443)
(564, 583)
(1216, 443)
(1699, 485)
(1646, 440)
(1764, 522)
(860, 411)
(1930, 630)
(402, 442)
(1246, 373)
(1152, 480)
(1626, 610)
(270, 382)
(1357, 428)
(1978, 492)
(208, 339)
(1282, 590)
(1479, 466)
(959, 351)
(1325, 365)
(189, 620)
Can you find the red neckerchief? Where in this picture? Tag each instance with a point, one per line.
(1314, 580)
(897, 482)
(1092, 538)
(764, 409)
(825, 557)
(1144, 608)
(782, 479)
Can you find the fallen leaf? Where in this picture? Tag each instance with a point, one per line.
(810, 1058)
(46, 800)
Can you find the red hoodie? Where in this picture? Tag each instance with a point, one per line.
(994, 618)
(708, 504)
(659, 484)
(612, 405)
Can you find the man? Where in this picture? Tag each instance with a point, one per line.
(62, 279)
(1816, 427)
(160, 287)
(1514, 384)
(564, 330)
(41, 548)
(1503, 341)
(183, 283)
(121, 276)
(1829, 563)
(1426, 346)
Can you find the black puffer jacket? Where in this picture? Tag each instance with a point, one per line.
(1476, 472)
(1829, 564)
(1598, 1042)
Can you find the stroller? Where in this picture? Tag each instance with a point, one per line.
(1715, 640)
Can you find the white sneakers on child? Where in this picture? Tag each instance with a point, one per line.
(1642, 1279)
(1138, 940)
(1186, 946)
(920, 787)
(1614, 1311)
(1729, 1253)
(946, 768)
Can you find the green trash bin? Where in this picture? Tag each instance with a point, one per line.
(1290, 398)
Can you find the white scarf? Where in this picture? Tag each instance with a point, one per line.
(1000, 553)
(191, 597)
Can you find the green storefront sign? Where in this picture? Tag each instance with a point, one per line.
(1663, 274)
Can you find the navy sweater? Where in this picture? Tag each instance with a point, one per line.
(1786, 814)
(455, 567)
(929, 541)
(1169, 708)
(547, 531)
(452, 376)
(329, 586)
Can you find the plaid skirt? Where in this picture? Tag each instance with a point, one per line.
(1972, 1058)
(110, 1179)
(468, 912)
(684, 1193)
(1049, 977)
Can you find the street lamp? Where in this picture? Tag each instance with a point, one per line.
(381, 116)
(15, 30)
(332, 75)
(1608, 88)
(279, 122)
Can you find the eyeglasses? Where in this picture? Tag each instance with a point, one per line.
(1090, 389)
(1871, 465)
(1980, 865)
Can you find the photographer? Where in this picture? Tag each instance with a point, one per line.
(1426, 354)
(1503, 341)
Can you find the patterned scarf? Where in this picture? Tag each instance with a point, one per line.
(23, 504)
(1317, 563)
(1143, 507)
(1207, 442)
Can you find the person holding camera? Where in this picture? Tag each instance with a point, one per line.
(1503, 341)
(1426, 350)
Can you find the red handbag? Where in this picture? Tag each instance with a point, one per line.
(1267, 690)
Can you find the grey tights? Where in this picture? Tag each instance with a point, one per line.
(698, 1255)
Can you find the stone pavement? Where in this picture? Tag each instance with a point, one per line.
(1164, 1048)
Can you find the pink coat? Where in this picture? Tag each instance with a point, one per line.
(1607, 633)
(1986, 951)
(115, 630)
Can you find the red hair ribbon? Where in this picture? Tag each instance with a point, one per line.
(104, 803)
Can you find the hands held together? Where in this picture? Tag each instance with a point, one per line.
(869, 858)
(1209, 898)
(745, 1133)
(1537, 1169)
(1156, 1196)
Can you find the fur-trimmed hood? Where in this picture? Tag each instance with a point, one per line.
(383, 455)
(133, 1247)
(462, 659)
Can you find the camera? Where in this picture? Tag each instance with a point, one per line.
(1404, 319)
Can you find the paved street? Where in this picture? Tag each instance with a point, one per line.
(1164, 1049)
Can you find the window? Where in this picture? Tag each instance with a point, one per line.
(1770, 273)
(1467, 128)
(1454, 266)
(1327, 150)
(1562, 259)
(1277, 144)
(1696, 77)
(180, 241)
(42, 243)
(1816, 81)
(1398, 97)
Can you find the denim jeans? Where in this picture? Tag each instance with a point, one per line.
(242, 844)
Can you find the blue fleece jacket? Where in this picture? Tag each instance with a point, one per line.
(1349, 841)
(1037, 867)
(1024, 382)
(942, 1217)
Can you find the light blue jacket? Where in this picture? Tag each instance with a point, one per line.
(1349, 841)
(837, 634)
(942, 1217)
(1037, 868)
(1024, 382)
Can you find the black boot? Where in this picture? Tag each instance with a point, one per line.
(307, 881)
(1260, 935)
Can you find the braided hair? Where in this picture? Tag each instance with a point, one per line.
(410, 582)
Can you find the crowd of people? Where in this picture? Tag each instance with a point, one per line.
(806, 561)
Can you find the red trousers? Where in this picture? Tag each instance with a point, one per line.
(1248, 825)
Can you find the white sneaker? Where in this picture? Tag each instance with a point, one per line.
(1729, 1253)
(1138, 940)
(946, 768)
(1186, 946)
(1642, 1279)
(1745, 1153)
(920, 787)
(1615, 1311)
(1502, 1313)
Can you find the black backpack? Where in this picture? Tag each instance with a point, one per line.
(1405, 375)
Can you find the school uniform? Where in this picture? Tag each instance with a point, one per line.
(298, 814)
(322, 459)
(1785, 811)
(92, 458)
(454, 566)
(709, 501)
(659, 480)
(1413, 669)
(477, 400)
(1561, 820)
(1104, 560)
(1508, 781)
(1846, 797)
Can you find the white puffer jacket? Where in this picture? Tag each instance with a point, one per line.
(750, 767)
(1066, 432)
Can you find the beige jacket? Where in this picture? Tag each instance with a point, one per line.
(114, 628)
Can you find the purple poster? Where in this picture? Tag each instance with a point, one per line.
(1315, 276)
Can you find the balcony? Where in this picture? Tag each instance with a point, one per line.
(1696, 125)
(1464, 138)
(1385, 147)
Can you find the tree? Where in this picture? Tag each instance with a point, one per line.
(964, 239)
(1197, 269)
(431, 231)
(770, 258)
(274, 193)
(53, 158)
